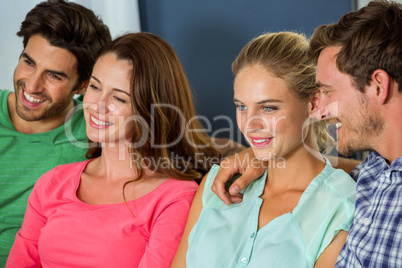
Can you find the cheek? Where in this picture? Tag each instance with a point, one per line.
(278, 124)
(86, 99)
(89, 99)
(18, 71)
(125, 119)
(289, 127)
(241, 121)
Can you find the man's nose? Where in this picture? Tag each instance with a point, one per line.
(34, 84)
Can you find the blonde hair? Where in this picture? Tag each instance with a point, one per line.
(285, 55)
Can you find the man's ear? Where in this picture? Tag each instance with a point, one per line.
(380, 82)
(314, 103)
(81, 90)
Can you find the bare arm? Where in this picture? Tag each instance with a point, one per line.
(328, 257)
(195, 211)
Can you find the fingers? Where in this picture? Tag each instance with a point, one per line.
(243, 181)
(235, 199)
(244, 163)
(219, 186)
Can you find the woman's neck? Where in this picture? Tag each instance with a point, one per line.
(295, 170)
(116, 164)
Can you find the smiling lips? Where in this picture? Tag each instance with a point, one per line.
(97, 123)
(30, 101)
(258, 142)
(338, 127)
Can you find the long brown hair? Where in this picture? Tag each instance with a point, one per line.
(167, 128)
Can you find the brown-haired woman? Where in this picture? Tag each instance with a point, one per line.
(128, 206)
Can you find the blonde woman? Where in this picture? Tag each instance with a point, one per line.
(298, 213)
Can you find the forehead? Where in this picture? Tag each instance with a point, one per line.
(254, 83)
(49, 57)
(327, 73)
(113, 72)
(326, 63)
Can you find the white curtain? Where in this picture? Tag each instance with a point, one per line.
(122, 16)
(362, 3)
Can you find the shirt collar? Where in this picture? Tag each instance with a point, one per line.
(375, 158)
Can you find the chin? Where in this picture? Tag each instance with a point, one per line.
(263, 154)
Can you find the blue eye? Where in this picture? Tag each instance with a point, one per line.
(240, 107)
(269, 109)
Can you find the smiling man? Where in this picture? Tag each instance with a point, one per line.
(359, 74)
(61, 41)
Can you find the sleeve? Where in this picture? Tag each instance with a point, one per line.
(24, 252)
(340, 215)
(166, 234)
(327, 207)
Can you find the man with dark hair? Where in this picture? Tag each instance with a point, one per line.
(61, 41)
(359, 76)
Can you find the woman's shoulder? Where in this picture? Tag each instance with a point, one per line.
(59, 174)
(173, 189)
(339, 182)
(181, 186)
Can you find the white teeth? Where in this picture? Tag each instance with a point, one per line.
(260, 141)
(100, 123)
(32, 99)
(338, 125)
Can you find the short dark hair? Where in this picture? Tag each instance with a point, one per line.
(370, 39)
(69, 26)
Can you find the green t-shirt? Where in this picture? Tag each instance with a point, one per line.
(24, 158)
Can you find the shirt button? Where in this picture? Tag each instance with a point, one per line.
(366, 221)
(244, 260)
(252, 235)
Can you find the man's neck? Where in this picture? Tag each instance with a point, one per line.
(389, 144)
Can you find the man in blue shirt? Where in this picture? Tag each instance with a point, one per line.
(359, 77)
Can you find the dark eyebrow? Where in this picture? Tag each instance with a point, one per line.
(263, 101)
(25, 55)
(63, 74)
(320, 85)
(115, 89)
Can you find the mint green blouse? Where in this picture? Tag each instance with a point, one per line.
(227, 236)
